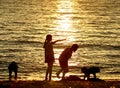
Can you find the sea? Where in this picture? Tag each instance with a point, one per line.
(92, 24)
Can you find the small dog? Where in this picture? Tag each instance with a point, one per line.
(90, 70)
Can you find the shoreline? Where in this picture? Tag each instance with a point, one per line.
(60, 84)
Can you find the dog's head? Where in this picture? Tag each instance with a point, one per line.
(84, 69)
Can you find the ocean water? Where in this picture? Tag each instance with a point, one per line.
(92, 24)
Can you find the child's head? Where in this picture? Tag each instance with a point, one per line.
(49, 37)
(74, 47)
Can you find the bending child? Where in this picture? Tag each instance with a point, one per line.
(63, 59)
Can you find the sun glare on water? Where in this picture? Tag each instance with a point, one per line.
(64, 10)
(64, 20)
(64, 24)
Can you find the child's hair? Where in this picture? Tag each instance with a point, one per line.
(48, 38)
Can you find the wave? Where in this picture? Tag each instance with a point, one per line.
(113, 56)
(20, 41)
(116, 47)
(113, 72)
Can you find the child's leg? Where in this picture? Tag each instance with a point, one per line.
(63, 77)
(50, 65)
(65, 70)
(46, 74)
(58, 73)
(47, 71)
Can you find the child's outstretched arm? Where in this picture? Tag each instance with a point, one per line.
(58, 41)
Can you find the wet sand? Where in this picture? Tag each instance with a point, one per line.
(61, 84)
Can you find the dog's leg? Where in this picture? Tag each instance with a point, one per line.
(84, 76)
(94, 74)
(88, 76)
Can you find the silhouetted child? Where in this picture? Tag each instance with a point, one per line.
(63, 59)
(49, 55)
(13, 67)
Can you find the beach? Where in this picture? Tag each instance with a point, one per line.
(60, 84)
(92, 24)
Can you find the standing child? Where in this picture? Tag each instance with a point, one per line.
(49, 55)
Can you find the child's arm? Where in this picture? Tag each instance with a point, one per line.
(58, 41)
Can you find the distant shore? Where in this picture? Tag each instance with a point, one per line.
(60, 84)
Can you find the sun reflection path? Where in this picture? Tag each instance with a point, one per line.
(64, 20)
(65, 5)
(64, 23)
(64, 10)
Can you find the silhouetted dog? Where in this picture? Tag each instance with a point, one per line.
(90, 70)
(13, 67)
